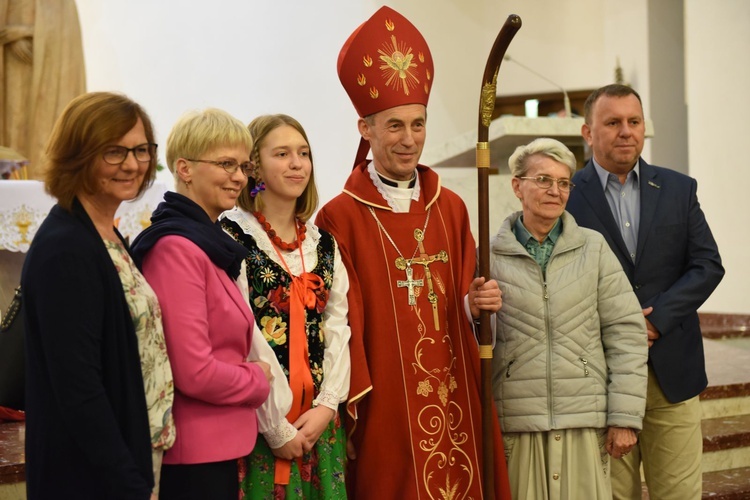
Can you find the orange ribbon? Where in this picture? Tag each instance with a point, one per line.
(304, 293)
(302, 296)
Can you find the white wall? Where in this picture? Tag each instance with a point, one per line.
(246, 57)
(254, 57)
(718, 85)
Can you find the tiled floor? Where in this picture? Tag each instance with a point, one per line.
(727, 361)
(739, 342)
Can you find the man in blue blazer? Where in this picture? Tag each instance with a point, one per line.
(651, 218)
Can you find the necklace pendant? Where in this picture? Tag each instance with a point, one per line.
(418, 235)
(401, 264)
(409, 283)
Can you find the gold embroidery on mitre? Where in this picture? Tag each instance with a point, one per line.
(426, 89)
(374, 93)
(398, 64)
(421, 57)
(367, 61)
(428, 74)
(389, 25)
(361, 80)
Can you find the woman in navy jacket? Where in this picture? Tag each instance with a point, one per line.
(87, 424)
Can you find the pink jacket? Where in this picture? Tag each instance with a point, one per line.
(208, 328)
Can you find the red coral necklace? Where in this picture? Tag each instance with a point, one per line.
(301, 229)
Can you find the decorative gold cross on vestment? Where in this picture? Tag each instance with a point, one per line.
(424, 260)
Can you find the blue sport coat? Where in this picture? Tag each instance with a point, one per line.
(677, 266)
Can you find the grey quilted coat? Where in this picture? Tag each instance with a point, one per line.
(570, 350)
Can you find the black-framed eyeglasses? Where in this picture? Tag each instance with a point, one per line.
(115, 155)
(545, 182)
(230, 166)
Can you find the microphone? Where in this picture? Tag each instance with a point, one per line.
(566, 100)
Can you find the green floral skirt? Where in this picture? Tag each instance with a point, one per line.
(321, 475)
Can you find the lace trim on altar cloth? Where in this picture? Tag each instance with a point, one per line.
(19, 225)
(388, 192)
(280, 435)
(24, 205)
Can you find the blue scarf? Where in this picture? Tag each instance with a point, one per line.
(179, 215)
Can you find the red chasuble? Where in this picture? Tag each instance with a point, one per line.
(415, 388)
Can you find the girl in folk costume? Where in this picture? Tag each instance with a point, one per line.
(297, 287)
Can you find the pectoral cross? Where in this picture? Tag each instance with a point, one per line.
(410, 282)
(424, 260)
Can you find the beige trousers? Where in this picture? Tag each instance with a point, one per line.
(566, 464)
(670, 448)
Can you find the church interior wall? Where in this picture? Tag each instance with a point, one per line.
(717, 83)
(251, 58)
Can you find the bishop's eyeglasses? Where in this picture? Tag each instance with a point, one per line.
(116, 155)
(545, 182)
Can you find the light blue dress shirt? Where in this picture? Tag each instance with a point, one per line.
(625, 202)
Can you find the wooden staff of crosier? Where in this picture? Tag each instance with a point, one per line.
(486, 107)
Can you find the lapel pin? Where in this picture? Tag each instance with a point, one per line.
(653, 184)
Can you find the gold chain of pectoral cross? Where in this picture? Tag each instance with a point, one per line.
(403, 264)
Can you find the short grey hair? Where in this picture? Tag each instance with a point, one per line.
(518, 161)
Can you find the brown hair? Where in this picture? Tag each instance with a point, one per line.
(88, 124)
(259, 128)
(612, 90)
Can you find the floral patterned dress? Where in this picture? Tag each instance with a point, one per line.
(157, 372)
(320, 473)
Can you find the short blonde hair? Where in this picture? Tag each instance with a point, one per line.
(199, 132)
(518, 161)
(88, 124)
(259, 128)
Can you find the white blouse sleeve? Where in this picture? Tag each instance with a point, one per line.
(336, 361)
(272, 422)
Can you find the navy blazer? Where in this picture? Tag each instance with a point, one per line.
(87, 431)
(677, 266)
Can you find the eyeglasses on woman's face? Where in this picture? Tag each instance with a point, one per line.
(116, 155)
(230, 166)
(546, 182)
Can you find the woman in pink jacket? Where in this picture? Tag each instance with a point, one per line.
(191, 264)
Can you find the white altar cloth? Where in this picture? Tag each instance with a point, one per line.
(25, 204)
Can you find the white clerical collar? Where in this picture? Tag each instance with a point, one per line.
(398, 198)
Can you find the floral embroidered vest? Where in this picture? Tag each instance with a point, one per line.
(269, 284)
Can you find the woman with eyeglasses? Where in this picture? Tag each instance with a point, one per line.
(192, 265)
(569, 367)
(99, 386)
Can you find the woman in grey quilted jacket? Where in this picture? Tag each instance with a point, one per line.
(569, 368)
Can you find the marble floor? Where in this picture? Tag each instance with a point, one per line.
(727, 361)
